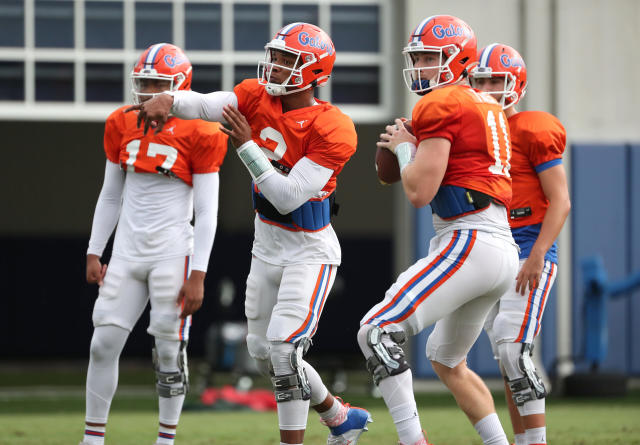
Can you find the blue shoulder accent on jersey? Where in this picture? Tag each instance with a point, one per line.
(545, 165)
(526, 237)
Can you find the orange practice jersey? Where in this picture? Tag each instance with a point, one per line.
(321, 132)
(182, 148)
(477, 128)
(538, 139)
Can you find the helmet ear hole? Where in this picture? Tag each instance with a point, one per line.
(178, 81)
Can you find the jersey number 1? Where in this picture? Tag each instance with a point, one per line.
(498, 168)
(133, 148)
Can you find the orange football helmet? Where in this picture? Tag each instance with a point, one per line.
(315, 56)
(502, 61)
(455, 43)
(162, 61)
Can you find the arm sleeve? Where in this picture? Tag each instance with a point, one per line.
(208, 107)
(205, 205)
(107, 210)
(305, 180)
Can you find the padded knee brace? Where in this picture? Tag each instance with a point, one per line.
(529, 386)
(294, 386)
(166, 381)
(258, 348)
(388, 357)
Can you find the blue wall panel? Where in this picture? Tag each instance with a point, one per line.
(634, 260)
(599, 222)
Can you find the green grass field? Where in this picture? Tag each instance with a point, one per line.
(55, 417)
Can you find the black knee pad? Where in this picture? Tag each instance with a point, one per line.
(388, 357)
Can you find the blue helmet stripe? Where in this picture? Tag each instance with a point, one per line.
(286, 30)
(153, 52)
(486, 55)
(421, 27)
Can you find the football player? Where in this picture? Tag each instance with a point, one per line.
(294, 147)
(460, 168)
(153, 185)
(539, 208)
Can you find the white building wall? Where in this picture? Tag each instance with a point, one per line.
(582, 57)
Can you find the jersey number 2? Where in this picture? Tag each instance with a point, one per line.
(270, 133)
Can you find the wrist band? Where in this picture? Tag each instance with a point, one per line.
(404, 153)
(255, 160)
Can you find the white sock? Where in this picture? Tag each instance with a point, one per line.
(520, 439)
(336, 415)
(169, 407)
(397, 391)
(292, 415)
(102, 376)
(166, 435)
(491, 431)
(94, 434)
(536, 436)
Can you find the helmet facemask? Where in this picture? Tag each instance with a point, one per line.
(508, 96)
(295, 81)
(137, 78)
(414, 78)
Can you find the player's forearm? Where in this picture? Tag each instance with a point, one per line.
(421, 179)
(205, 204)
(305, 181)
(193, 105)
(554, 185)
(420, 189)
(197, 275)
(107, 209)
(552, 223)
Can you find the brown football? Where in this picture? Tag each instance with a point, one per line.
(387, 163)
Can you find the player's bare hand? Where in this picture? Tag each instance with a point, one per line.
(153, 112)
(240, 131)
(530, 273)
(395, 135)
(95, 270)
(191, 293)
